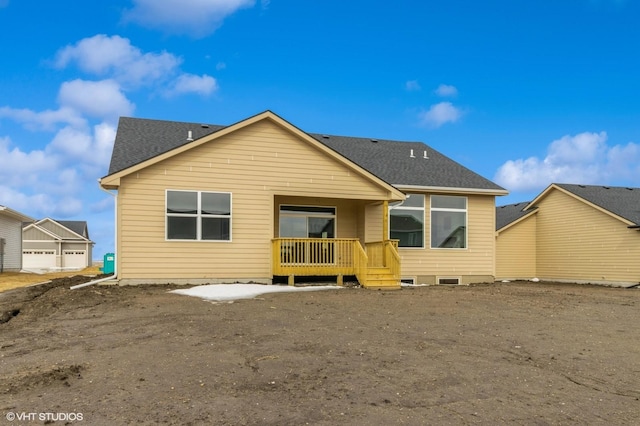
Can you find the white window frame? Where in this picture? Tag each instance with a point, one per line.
(442, 209)
(198, 215)
(423, 209)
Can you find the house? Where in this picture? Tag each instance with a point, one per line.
(56, 245)
(575, 233)
(11, 239)
(261, 199)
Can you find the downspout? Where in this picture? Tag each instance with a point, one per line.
(115, 245)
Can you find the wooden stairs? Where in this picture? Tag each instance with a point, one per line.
(381, 278)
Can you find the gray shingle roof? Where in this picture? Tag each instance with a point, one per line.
(622, 201)
(510, 213)
(391, 161)
(138, 140)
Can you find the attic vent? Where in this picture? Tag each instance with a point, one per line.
(425, 156)
(630, 189)
(189, 135)
(374, 140)
(325, 136)
(204, 126)
(606, 187)
(411, 154)
(582, 186)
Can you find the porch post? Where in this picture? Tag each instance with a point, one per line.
(385, 220)
(385, 230)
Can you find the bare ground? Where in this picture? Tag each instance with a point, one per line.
(507, 353)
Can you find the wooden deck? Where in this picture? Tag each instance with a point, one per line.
(377, 266)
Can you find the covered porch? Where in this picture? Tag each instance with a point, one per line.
(334, 238)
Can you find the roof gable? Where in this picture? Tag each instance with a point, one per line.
(141, 141)
(618, 201)
(63, 230)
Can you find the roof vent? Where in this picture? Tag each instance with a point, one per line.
(189, 136)
(374, 140)
(204, 126)
(425, 156)
(325, 136)
(411, 154)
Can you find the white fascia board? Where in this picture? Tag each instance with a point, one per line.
(452, 190)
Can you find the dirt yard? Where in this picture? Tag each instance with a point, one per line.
(508, 353)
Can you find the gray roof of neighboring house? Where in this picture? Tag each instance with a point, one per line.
(622, 201)
(138, 140)
(510, 213)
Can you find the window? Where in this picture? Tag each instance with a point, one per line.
(406, 222)
(196, 215)
(307, 222)
(448, 221)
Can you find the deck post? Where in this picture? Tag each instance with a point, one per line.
(292, 280)
(385, 229)
(340, 280)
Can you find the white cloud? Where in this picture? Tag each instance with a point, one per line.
(43, 204)
(44, 120)
(18, 167)
(412, 86)
(446, 91)
(194, 17)
(189, 83)
(585, 158)
(115, 56)
(100, 99)
(439, 114)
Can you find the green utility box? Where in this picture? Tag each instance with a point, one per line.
(109, 263)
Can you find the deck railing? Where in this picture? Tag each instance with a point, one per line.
(377, 252)
(332, 257)
(314, 256)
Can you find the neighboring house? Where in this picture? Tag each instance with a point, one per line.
(575, 233)
(56, 244)
(261, 199)
(11, 239)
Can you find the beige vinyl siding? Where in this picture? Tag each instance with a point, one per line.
(476, 260)
(373, 223)
(254, 164)
(578, 242)
(516, 250)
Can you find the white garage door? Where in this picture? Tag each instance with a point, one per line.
(38, 259)
(74, 259)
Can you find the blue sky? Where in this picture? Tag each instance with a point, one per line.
(524, 93)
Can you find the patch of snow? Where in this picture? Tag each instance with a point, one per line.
(225, 292)
(535, 280)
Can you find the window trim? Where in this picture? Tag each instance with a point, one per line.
(448, 209)
(198, 215)
(424, 211)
